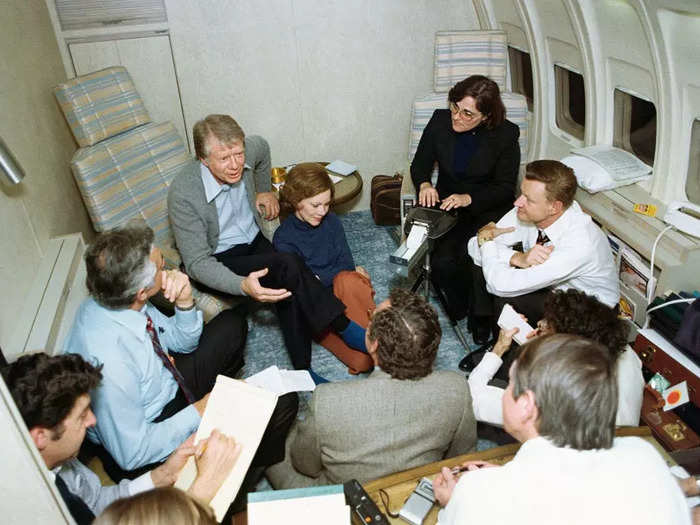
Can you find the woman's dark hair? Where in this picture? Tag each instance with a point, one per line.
(486, 94)
(573, 312)
(304, 180)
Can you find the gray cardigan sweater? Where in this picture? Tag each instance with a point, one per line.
(195, 221)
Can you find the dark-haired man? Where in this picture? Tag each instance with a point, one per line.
(560, 404)
(402, 416)
(546, 241)
(158, 370)
(52, 394)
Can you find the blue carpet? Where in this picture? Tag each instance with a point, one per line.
(371, 246)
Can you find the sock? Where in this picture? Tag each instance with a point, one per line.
(354, 336)
(317, 378)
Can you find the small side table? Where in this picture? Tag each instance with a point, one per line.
(346, 189)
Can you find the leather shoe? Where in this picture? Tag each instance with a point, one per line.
(480, 328)
(469, 361)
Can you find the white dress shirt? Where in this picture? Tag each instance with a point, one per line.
(544, 484)
(236, 220)
(84, 483)
(581, 258)
(486, 399)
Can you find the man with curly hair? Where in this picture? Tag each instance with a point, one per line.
(390, 421)
(566, 312)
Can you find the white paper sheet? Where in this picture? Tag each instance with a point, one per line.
(341, 167)
(282, 381)
(416, 236)
(315, 510)
(509, 318)
(239, 410)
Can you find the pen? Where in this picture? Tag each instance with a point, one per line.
(458, 470)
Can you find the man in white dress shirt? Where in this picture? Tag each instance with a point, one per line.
(567, 312)
(560, 404)
(545, 242)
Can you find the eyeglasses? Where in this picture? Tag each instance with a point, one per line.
(463, 113)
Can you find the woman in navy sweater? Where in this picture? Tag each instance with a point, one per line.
(317, 236)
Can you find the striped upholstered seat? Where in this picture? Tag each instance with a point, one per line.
(459, 54)
(126, 163)
(101, 105)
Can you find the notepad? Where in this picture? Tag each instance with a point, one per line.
(239, 410)
(509, 318)
(310, 506)
(282, 381)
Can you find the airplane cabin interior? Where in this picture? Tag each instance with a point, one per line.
(608, 87)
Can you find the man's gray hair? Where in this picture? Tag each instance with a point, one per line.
(118, 264)
(574, 381)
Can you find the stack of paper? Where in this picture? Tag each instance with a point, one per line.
(341, 167)
(282, 381)
(241, 411)
(310, 506)
(509, 318)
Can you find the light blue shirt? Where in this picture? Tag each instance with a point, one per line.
(135, 384)
(236, 220)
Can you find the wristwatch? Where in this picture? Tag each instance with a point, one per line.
(186, 308)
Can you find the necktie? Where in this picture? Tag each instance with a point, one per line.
(166, 361)
(542, 238)
(78, 508)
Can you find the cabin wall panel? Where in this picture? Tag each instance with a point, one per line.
(47, 202)
(320, 80)
(681, 36)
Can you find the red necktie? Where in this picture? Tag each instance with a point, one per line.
(542, 238)
(166, 361)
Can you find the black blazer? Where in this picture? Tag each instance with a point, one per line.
(491, 174)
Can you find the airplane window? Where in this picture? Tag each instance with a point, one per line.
(571, 101)
(635, 125)
(521, 73)
(692, 182)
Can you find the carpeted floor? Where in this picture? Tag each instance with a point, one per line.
(371, 246)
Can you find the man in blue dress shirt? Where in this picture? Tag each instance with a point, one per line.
(157, 370)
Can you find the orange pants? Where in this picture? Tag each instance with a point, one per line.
(357, 294)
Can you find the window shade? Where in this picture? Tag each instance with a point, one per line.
(81, 14)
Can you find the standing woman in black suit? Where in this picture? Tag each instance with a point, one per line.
(478, 155)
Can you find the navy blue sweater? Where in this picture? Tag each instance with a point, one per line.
(324, 247)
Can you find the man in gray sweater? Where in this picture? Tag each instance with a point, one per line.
(212, 205)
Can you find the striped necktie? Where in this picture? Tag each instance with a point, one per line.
(150, 328)
(542, 238)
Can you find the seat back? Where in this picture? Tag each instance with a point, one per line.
(128, 176)
(459, 54)
(125, 163)
(101, 105)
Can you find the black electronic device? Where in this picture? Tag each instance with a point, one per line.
(364, 510)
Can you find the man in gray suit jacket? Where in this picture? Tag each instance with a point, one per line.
(404, 415)
(217, 231)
